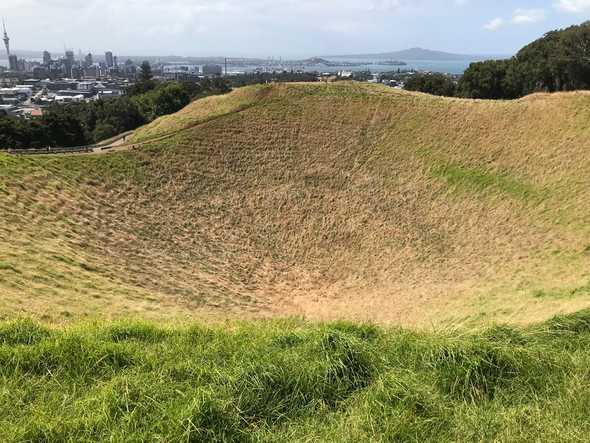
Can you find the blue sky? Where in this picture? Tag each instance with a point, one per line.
(287, 28)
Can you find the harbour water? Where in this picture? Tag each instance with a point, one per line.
(443, 66)
(338, 64)
(455, 67)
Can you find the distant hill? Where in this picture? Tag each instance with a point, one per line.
(316, 61)
(419, 54)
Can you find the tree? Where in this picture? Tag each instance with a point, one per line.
(78, 124)
(166, 98)
(145, 82)
(145, 72)
(169, 99)
(63, 128)
(436, 84)
(559, 61)
(103, 131)
(485, 80)
(215, 85)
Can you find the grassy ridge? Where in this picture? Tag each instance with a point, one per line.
(293, 381)
(209, 108)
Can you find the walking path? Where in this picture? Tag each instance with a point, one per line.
(117, 143)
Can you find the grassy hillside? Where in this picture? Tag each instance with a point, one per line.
(320, 200)
(293, 382)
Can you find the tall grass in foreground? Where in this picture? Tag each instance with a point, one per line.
(292, 381)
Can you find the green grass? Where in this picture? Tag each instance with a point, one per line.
(293, 381)
(577, 291)
(480, 180)
(4, 266)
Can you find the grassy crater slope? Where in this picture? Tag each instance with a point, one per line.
(322, 200)
(294, 382)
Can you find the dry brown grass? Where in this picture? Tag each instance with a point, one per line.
(326, 201)
(208, 108)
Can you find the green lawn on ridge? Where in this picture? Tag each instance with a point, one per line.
(292, 381)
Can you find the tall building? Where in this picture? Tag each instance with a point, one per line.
(46, 58)
(108, 56)
(69, 63)
(13, 62)
(88, 60)
(6, 40)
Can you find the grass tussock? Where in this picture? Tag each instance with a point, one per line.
(293, 381)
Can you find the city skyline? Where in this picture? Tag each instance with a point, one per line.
(260, 28)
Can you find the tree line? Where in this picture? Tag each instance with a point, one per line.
(80, 124)
(435, 84)
(255, 78)
(559, 61)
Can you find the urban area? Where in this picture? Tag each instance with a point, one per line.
(29, 86)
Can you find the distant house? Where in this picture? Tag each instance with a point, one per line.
(74, 93)
(32, 82)
(86, 86)
(212, 70)
(69, 98)
(109, 93)
(19, 90)
(29, 112)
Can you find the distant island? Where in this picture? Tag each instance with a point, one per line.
(314, 61)
(416, 54)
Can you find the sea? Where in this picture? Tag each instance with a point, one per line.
(351, 64)
(456, 67)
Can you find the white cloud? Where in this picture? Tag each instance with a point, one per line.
(519, 17)
(575, 6)
(526, 16)
(495, 24)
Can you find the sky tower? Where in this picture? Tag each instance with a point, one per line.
(6, 39)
